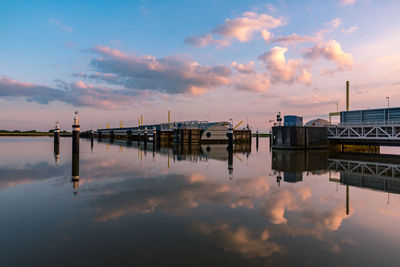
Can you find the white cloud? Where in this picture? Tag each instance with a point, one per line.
(335, 23)
(347, 2)
(349, 30)
(61, 26)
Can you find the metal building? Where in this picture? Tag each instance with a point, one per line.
(371, 116)
(292, 120)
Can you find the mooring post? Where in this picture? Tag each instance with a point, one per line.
(99, 135)
(257, 134)
(57, 142)
(230, 136)
(75, 133)
(57, 134)
(139, 136)
(145, 135)
(270, 140)
(154, 135)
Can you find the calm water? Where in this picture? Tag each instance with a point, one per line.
(187, 207)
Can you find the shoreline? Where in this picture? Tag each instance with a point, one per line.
(35, 134)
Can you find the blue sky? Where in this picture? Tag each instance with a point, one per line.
(56, 45)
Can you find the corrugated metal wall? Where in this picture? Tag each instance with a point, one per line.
(383, 115)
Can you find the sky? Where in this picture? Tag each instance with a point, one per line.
(202, 60)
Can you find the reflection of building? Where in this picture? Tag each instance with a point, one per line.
(378, 172)
(294, 162)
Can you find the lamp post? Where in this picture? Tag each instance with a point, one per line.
(337, 107)
(387, 100)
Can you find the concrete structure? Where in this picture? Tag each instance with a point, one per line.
(291, 137)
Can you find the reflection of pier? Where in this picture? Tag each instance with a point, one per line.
(188, 152)
(375, 172)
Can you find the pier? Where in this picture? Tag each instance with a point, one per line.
(202, 132)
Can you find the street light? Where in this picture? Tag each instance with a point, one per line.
(387, 100)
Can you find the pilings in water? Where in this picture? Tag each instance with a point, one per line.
(257, 135)
(57, 142)
(57, 134)
(75, 153)
(75, 134)
(230, 137)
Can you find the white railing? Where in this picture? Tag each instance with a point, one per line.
(382, 132)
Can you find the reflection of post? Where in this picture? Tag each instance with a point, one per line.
(91, 139)
(75, 172)
(230, 163)
(57, 152)
(154, 141)
(347, 200)
(75, 133)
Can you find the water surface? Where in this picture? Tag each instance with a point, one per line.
(192, 206)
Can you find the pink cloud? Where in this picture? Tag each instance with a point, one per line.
(347, 2)
(282, 70)
(331, 51)
(335, 23)
(74, 93)
(308, 102)
(241, 28)
(170, 74)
